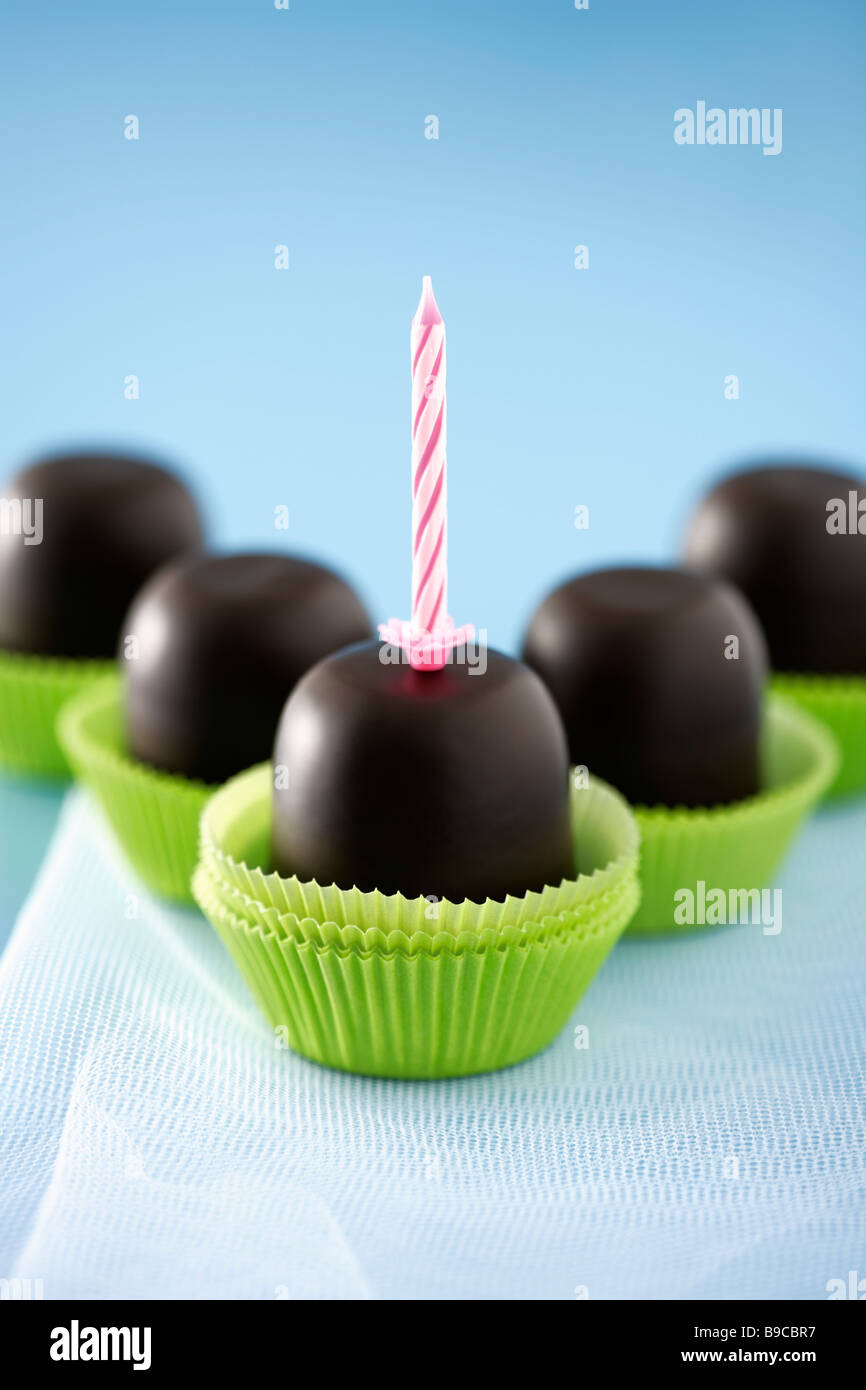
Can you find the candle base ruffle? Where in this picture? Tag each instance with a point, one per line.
(426, 651)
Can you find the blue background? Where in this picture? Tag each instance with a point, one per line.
(306, 127)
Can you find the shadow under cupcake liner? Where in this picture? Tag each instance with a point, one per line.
(33, 690)
(393, 993)
(154, 815)
(840, 703)
(737, 847)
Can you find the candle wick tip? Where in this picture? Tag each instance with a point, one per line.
(428, 310)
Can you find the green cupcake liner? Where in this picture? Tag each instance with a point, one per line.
(235, 842)
(154, 815)
(33, 689)
(736, 847)
(585, 920)
(421, 1014)
(840, 703)
(392, 993)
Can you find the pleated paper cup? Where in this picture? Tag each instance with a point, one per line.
(33, 689)
(236, 836)
(735, 848)
(840, 703)
(389, 986)
(385, 935)
(154, 815)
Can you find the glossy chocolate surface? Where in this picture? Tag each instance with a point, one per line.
(637, 662)
(446, 783)
(107, 523)
(218, 642)
(793, 539)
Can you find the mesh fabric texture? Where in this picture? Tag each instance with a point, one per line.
(156, 1141)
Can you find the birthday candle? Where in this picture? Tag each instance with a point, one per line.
(431, 635)
(429, 517)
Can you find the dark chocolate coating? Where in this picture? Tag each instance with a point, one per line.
(108, 523)
(441, 783)
(766, 530)
(635, 660)
(222, 640)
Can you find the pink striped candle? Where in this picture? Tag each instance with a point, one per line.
(429, 493)
(430, 635)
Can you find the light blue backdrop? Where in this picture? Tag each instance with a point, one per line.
(305, 127)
